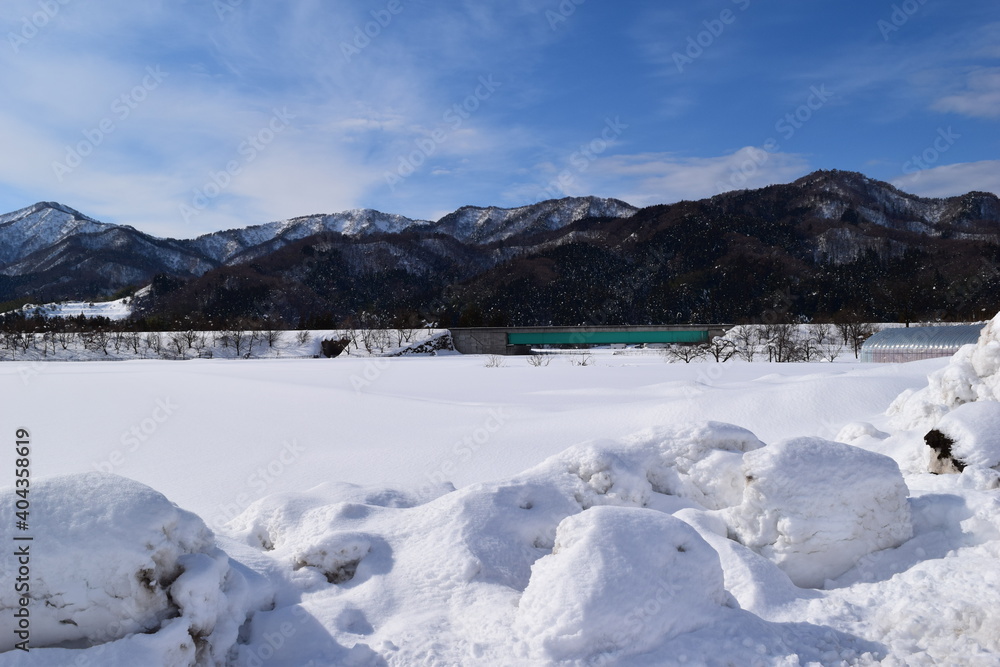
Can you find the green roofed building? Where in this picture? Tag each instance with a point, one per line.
(520, 340)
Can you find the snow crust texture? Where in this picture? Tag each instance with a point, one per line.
(606, 566)
(114, 561)
(815, 507)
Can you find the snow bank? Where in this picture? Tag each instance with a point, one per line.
(618, 578)
(112, 558)
(973, 374)
(815, 507)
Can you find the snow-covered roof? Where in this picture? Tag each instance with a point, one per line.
(947, 336)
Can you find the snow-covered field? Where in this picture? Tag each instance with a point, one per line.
(437, 511)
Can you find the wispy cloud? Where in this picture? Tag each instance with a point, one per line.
(980, 96)
(953, 179)
(660, 178)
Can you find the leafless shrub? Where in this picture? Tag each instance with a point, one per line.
(494, 361)
(537, 360)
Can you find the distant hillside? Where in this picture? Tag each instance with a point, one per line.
(828, 243)
(50, 252)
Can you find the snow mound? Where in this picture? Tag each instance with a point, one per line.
(619, 579)
(975, 430)
(973, 374)
(855, 431)
(701, 462)
(110, 559)
(814, 507)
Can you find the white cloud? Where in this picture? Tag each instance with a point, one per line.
(953, 179)
(980, 97)
(660, 178)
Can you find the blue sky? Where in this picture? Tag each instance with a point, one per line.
(183, 117)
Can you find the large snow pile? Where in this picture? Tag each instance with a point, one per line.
(576, 560)
(112, 559)
(608, 566)
(816, 507)
(973, 374)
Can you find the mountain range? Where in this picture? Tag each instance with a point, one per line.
(49, 251)
(828, 242)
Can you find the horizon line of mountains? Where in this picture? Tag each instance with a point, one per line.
(828, 242)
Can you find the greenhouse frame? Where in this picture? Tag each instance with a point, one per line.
(901, 344)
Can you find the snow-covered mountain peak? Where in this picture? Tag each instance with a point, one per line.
(490, 224)
(46, 209)
(40, 226)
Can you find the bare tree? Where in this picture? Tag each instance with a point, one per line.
(303, 337)
(177, 342)
(65, 338)
(373, 332)
(406, 326)
(118, 337)
(854, 332)
(859, 333)
(153, 341)
(782, 342)
(494, 361)
(132, 340)
(818, 338)
(241, 336)
(191, 337)
(832, 351)
(746, 337)
(9, 343)
(685, 353)
(26, 341)
(721, 349)
(808, 349)
(98, 339)
(821, 333)
(582, 359)
(49, 340)
(271, 331)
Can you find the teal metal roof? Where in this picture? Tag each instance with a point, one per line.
(943, 336)
(606, 337)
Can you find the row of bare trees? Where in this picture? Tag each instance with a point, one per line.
(241, 339)
(778, 343)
